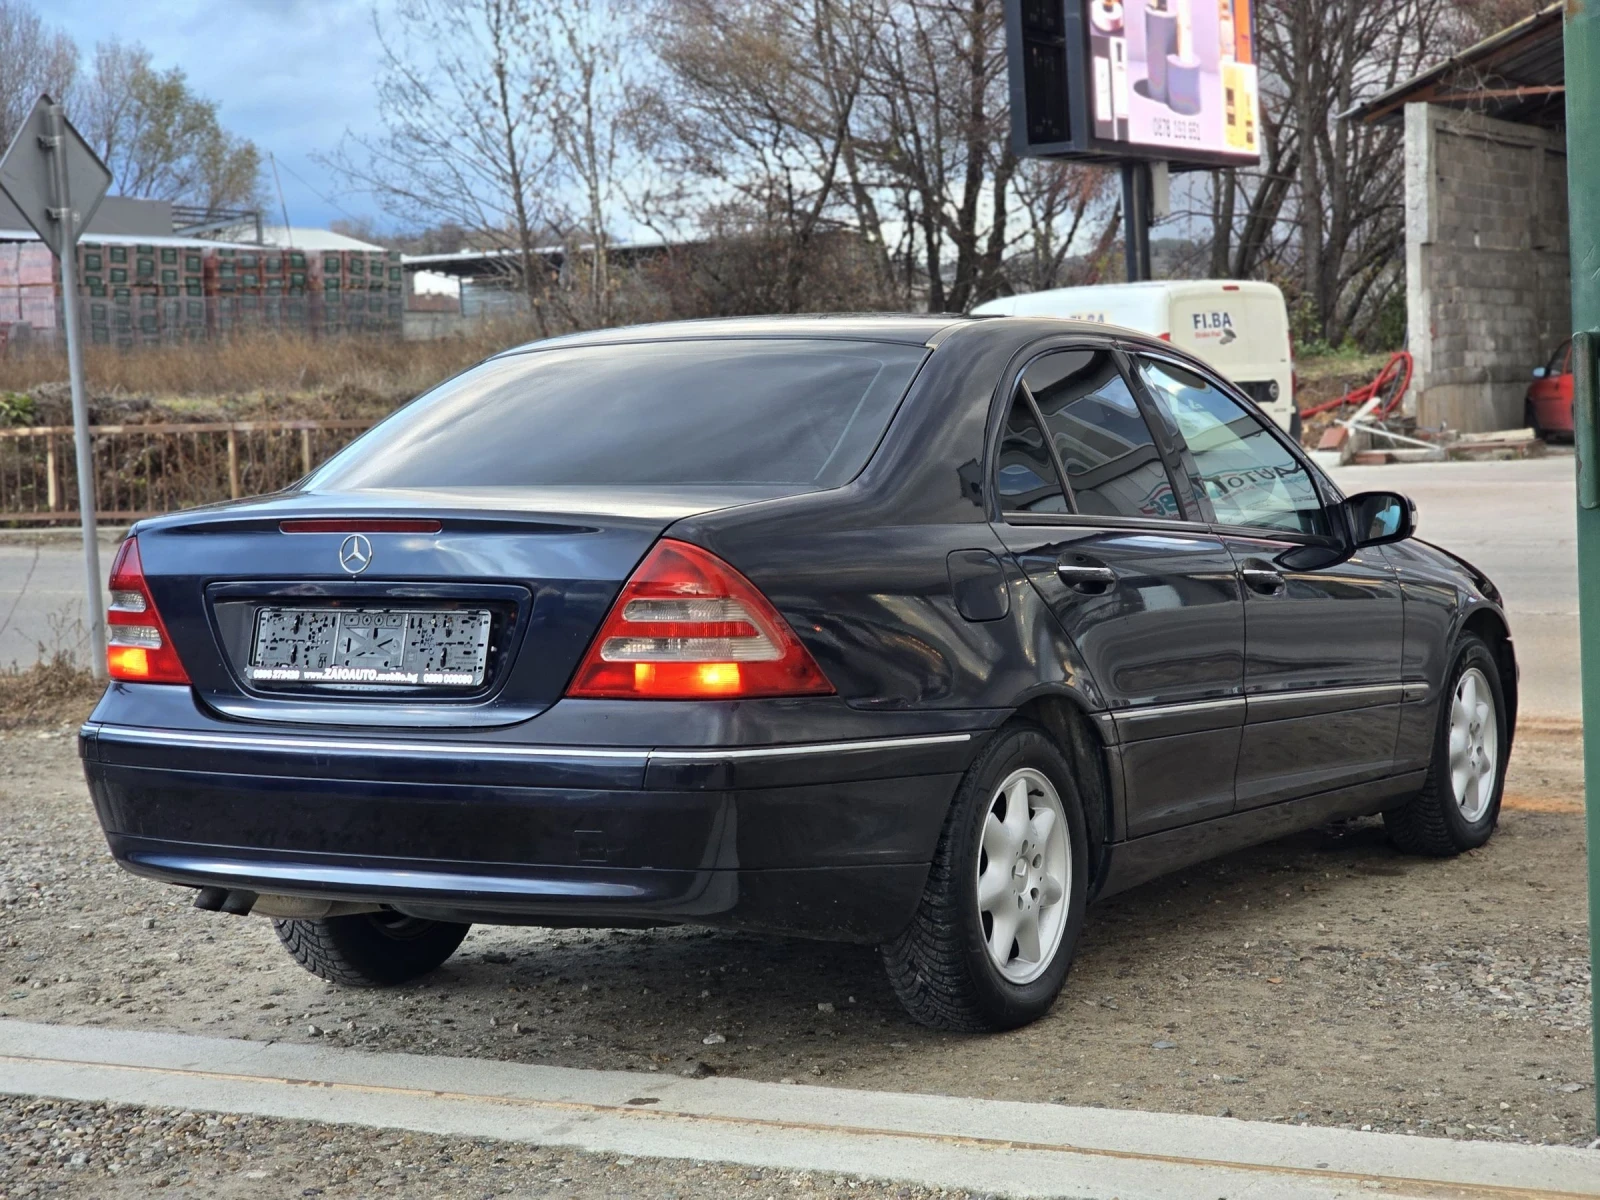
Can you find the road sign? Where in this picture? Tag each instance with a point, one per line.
(27, 176)
(52, 175)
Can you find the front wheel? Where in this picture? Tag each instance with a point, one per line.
(1459, 803)
(1004, 902)
(370, 949)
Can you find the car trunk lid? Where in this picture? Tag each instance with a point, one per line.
(460, 607)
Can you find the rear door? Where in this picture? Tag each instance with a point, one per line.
(1148, 595)
(1322, 647)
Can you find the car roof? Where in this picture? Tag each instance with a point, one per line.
(919, 329)
(910, 328)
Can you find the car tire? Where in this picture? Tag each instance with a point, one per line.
(1530, 420)
(370, 949)
(1459, 804)
(942, 967)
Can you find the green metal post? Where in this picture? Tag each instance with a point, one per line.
(1582, 37)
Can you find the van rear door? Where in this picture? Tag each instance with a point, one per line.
(1243, 331)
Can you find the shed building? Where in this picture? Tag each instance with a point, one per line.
(1488, 279)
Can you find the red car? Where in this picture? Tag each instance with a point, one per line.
(1549, 406)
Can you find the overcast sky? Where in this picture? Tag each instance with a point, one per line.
(291, 75)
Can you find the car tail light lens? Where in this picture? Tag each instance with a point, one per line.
(687, 626)
(138, 648)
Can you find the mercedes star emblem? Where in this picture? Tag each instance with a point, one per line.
(355, 554)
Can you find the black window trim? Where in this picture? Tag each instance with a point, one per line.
(1000, 413)
(1325, 488)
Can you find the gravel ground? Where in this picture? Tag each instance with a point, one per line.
(1319, 979)
(57, 1149)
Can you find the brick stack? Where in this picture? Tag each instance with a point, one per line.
(139, 294)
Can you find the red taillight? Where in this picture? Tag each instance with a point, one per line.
(687, 626)
(138, 648)
(1165, 337)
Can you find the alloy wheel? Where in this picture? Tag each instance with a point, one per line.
(1024, 875)
(1474, 744)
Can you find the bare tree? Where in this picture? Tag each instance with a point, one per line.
(160, 139)
(585, 46)
(1323, 214)
(465, 100)
(33, 59)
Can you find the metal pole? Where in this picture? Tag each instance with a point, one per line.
(1136, 220)
(80, 401)
(1582, 39)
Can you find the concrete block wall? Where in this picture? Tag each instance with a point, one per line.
(1487, 277)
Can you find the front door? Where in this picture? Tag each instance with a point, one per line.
(1322, 646)
(1150, 598)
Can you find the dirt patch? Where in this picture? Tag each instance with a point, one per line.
(54, 691)
(1322, 978)
(62, 1148)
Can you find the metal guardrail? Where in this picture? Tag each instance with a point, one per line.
(144, 470)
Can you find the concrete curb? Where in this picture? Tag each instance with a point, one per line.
(981, 1145)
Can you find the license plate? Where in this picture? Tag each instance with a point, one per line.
(384, 646)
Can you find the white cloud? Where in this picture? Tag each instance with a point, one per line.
(291, 75)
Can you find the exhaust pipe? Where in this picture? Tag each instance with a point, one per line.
(241, 902)
(237, 901)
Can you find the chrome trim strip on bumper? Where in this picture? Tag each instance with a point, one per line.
(378, 880)
(323, 745)
(932, 739)
(639, 756)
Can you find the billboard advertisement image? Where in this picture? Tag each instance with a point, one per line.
(1174, 74)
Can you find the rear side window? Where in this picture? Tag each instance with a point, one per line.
(738, 411)
(1024, 474)
(1112, 464)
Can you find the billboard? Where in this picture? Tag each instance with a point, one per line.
(1114, 80)
(1174, 74)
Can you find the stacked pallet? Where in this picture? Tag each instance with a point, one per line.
(27, 289)
(148, 293)
(360, 289)
(140, 292)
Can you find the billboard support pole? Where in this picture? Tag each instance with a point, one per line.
(1136, 189)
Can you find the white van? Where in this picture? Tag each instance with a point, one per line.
(1240, 328)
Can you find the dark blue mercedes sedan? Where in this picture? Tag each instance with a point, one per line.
(913, 631)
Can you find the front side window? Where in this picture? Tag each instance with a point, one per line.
(1111, 460)
(1024, 474)
(1249, 476)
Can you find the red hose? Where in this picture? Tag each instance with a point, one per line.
(1397, 368)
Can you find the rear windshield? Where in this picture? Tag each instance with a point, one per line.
(771, 411)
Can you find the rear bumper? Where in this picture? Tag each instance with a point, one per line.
(819, 839)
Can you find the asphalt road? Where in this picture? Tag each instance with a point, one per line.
(1514, 519)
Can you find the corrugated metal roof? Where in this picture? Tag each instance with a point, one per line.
(130, 239)
(1515, 75)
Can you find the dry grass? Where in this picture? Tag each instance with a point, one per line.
(53, 691)
(281, 364)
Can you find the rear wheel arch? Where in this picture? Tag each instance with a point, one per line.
(1075, 733)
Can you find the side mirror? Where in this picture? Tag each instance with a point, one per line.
(1378, 518)
(1539, 372)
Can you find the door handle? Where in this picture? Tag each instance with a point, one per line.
(1262, 579)
(1090, 580)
